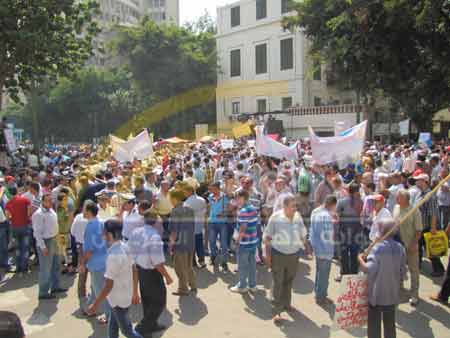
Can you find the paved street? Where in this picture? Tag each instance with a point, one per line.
(218, 313)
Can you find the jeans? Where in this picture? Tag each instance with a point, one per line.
(49, 268)
(23, 240)
(247, 268)
(119, 319)
(4, 243)
(218, 229)
(378, 313)
(199, 248)
(97, 284)
(323, 267)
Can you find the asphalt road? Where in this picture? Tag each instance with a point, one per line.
(216, 312)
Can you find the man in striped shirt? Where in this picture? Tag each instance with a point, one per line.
(247, 242)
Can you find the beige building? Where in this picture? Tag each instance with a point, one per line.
(265, 68)
(162, 11)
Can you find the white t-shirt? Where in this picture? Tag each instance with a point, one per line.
(119, 268)
(78, 227)
(197, 204)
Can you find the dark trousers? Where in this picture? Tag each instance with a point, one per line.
(153, 297)
(349, 259)
(74, 252)
(435, 261)
(444, 216)
(378, 314)
(444, 294)
(199, 248)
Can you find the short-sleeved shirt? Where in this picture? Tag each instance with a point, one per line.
(198, 204)
(218, 209)
(429, 209)
(248, 218)
(410, 226)
(78, 228)
(131, 221)
(18, 208)
(146, 247)
(119, 269)
(286, 235)
(94, 242)
(182, 222)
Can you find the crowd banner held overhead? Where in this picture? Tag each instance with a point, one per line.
(266, 146)
(242, 130)
(251, 143)
(342, 149)
(404, 127)
(352, 305)
(227, 144)
(139, 147)
(425, 138)
(10, 140)
(340, 127)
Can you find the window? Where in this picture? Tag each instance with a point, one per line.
(317, 101)
(262, 105)
(236, 107)
(261, 59)
(287, 54)
(235, 16)
(235, 62)
(317, 71)
(286, 102)
(285, 6)
(261, 9)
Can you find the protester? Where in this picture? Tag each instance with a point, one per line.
(182, 243)
(386, 269)
(322, 242)
(247, 242)
(410, 234)
(10, 325)
(284, 235)
(147, 250)
(121, 284)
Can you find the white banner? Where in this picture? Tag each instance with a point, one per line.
(404, 127)
(341, 149)
(10, 139)
(139, 147)
(251, 143)
(341, 126)
(227, 144)
(352, 305)
(266, 146)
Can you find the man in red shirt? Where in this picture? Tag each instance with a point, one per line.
(18, 210)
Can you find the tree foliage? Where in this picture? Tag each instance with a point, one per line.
(399, 46)
(42, 39)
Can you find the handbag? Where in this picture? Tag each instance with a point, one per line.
(436, 244)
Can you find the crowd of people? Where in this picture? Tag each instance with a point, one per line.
(76, 210)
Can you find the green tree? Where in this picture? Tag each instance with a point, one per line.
(401, 47)
(165, 61)
(43, 39)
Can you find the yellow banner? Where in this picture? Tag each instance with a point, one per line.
(242, 130)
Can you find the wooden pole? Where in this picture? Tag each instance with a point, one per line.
(409, 214)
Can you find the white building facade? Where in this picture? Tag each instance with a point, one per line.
(163, 11)
(264, 68)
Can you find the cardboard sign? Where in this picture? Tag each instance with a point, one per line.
(227, 144)
(352, 305)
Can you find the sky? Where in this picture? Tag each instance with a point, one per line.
(192, 9)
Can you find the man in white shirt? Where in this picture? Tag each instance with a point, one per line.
(198, 204)
(284, 236)
(77, 230)
(134, 218)
(45, 230)
(121, 283)
(396, 185)
(380, 213)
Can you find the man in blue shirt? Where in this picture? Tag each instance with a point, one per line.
(217, 224)
(322, 242)
(94, 257)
